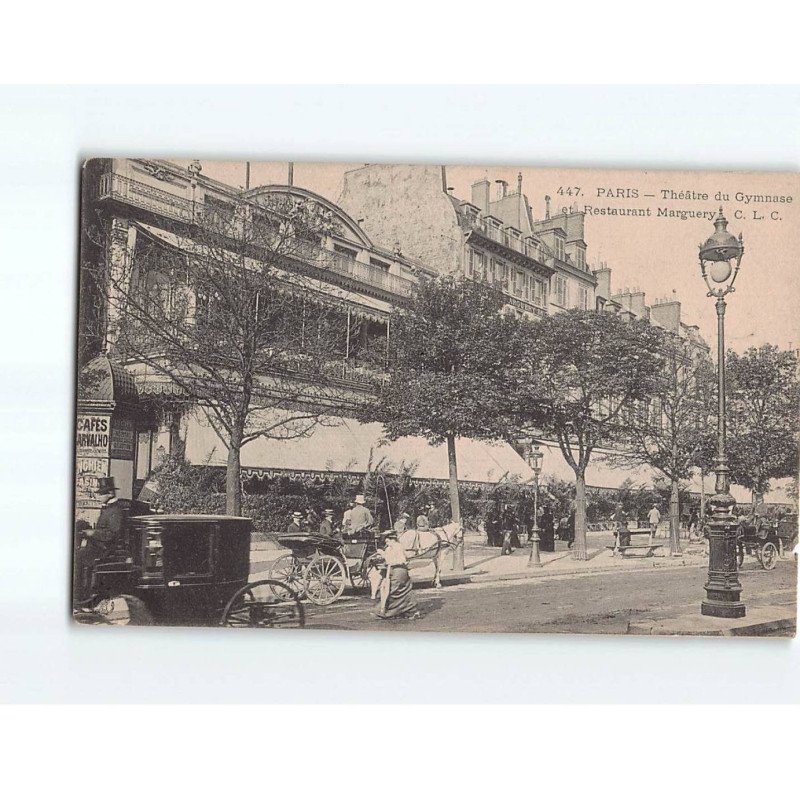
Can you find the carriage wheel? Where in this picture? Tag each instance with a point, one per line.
(264, 604)
(768, 555)
(360, 579)
(325, 577)
(288, 571)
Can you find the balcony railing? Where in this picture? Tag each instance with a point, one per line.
(113, 186)
(119, 187)
(369, 274)
(501, 235)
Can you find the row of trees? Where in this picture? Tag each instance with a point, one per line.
(226, 315)
(462, 367)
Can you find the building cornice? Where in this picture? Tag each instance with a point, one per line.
(509, 253)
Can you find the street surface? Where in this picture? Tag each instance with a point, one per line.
(603, 603)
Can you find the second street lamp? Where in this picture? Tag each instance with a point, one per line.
(534, 459)
(720, 259)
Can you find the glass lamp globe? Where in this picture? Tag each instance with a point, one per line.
(720, 271)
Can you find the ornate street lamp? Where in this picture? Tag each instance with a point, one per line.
(720, 259)
(534, 457)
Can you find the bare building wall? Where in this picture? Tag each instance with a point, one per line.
(406, 206)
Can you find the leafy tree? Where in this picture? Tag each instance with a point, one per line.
(227, 312)
(450, 369)
(670, 432)
(583, 373)
(763, 395)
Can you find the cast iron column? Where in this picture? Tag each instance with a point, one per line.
(723, 589)
(534, 559)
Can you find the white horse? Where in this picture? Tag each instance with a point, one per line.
(424, 548)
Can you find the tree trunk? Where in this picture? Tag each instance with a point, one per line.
(579, 550)
(674, 520)
(455, 505)
(233, 478)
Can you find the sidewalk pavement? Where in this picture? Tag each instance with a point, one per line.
(485, 564)
(761, 620)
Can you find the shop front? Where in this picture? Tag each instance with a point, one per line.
(105, 433)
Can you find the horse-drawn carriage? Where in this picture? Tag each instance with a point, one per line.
(766, 539)
(186, 569)
(319, 567)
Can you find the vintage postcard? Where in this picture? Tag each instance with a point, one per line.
(437, 398)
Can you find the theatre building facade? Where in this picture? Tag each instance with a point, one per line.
(131, 416)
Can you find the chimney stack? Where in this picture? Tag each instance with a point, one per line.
(547, 206)
(480, 195)
(502, 189)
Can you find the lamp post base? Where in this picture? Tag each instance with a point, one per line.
(723, 589)
(534, 560)
(729, 609)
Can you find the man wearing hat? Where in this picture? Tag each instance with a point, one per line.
(294, 525)
(326, 526)
(98, 541)
(401, 523)
(360, 516)
(423, 523)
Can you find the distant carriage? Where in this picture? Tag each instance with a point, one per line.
(766, 539)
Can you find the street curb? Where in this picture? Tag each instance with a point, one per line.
(541, 572)
(650, 628)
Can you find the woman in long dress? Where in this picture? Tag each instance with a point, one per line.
(395, 597)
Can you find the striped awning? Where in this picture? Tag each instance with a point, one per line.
(345, 447)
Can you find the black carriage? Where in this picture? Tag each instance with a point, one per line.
(766, 539)
(187, 569)
(319, 567)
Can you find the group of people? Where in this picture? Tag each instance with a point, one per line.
(690, 521)
(506, 524)
(395, 600)
(355, 518)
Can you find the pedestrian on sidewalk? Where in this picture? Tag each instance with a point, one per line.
(654, 518)
(693, 523)
(395, 592)
(547, 536)
(493, 526)
(622, 536)
(570, 529)
(511, 522)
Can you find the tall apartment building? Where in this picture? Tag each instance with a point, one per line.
(539, 265)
